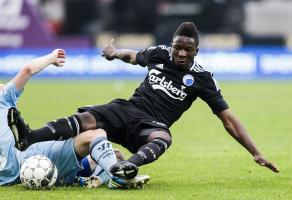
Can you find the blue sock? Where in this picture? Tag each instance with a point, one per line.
(102, 153)
(86, 171)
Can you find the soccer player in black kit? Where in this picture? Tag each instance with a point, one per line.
(141, 124)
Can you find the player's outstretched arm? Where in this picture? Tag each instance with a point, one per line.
(126, 55)
(56, 57)
(238, 132)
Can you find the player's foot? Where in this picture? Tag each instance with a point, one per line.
(135, 183)
(89, 182)
(124, 169)
(19, 129)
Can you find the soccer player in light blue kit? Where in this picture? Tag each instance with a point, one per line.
(66, 155)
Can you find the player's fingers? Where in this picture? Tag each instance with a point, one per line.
(61, 53)
(105, 52)
(272, 167)
(60, 65)
(60, 62)
(259, 161)
(61, 56)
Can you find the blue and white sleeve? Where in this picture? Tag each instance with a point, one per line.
(11, 94)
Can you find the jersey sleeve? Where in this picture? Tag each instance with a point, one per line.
(145, 56)
(210, 93)
(10, 94)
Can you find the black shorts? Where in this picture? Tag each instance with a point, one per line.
(124, 123)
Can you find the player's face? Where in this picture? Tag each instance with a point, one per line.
(184, 49)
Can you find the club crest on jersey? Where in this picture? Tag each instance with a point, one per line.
(188, 80)
(159, 82)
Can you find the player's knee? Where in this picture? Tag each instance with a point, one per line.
(167, 138)
(83, 141)
(87, 120)
(163, 136)
(93, 134)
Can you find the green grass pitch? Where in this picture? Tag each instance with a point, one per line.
(204, 162)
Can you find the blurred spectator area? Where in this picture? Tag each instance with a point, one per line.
(222, 23)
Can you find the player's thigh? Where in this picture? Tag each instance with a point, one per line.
(88, 120)
(112, 117)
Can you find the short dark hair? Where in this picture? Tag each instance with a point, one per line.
(187, 29)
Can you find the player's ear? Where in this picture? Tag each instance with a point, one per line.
(197, 51)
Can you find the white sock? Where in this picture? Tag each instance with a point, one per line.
(102, 153)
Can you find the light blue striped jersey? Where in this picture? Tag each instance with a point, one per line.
(9, 165)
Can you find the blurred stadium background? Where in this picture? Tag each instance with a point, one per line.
(239, 39)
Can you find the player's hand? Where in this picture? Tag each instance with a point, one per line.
(109, 51)
(58, 57)
(265, 163)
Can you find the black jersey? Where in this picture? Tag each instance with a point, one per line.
(167, 91)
